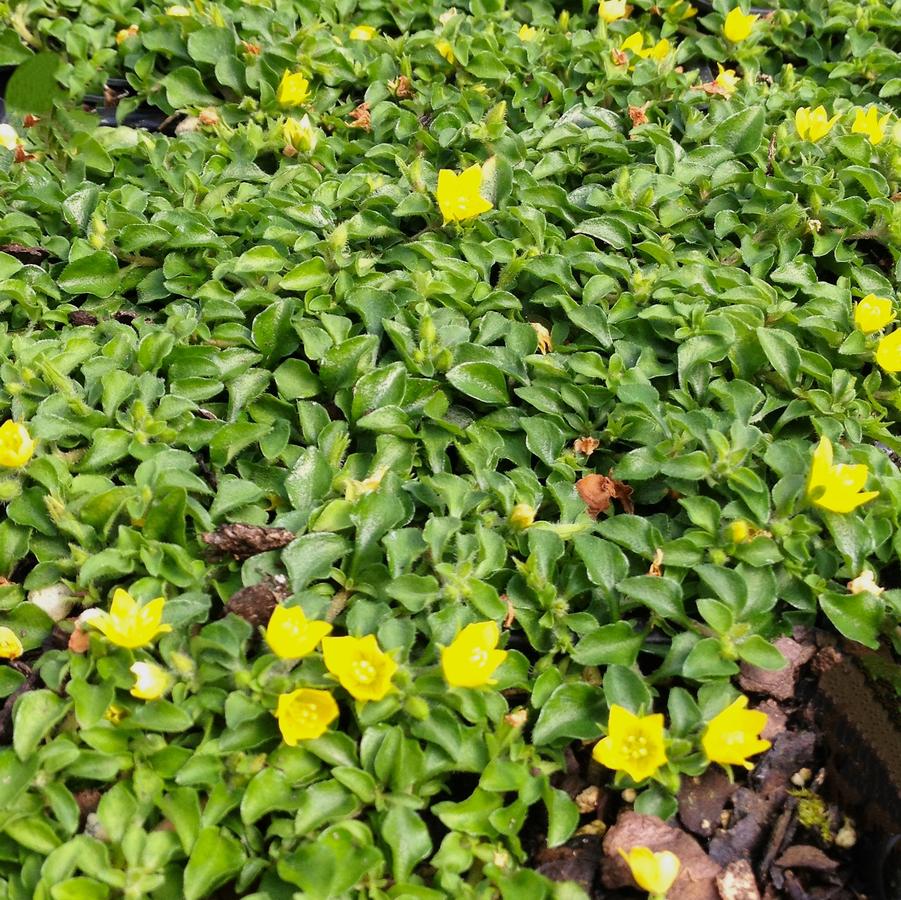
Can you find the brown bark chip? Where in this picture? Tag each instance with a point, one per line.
(736, 882)
(243, 541)
(703, 799)
(256, 602)
(577, 860)
(697, 877)
(803, 856)
(779, 684)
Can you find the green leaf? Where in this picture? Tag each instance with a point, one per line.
(96, 274)
(310, 557)
(32, 87)
(34, 715)
(481, 381)
(660, 594)
(857, 616)
(216, 858)
(573, 710)
(408, 838)
(741, 132)
(617, 643)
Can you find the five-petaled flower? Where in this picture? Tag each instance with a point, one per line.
(873, 313)
(634, 744)
(301, 135)
(16, 445)
(733, 735)
(813, 124)
(363, 33)
(888, 351)
(634, 43)
(653, 872)
(738, 25)
(727, 80)
(472, 657)
(305, 714)
(151, 681)
(293, 89)
(360, 665)
(611, 10)
(836, 488)
(868, 122)
(458, 195)
(10, 645)
(128, 624)
(291, 635)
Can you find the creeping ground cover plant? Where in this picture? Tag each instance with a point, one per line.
(429, 432)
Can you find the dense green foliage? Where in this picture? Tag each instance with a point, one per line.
(312, 349)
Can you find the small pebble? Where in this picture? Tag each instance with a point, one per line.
(801, 777)
(846, 836)
(629, 795)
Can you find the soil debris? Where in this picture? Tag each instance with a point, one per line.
(243, 541)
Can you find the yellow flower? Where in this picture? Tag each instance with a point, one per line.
(873, 313)
(115, 714)
(10, 645)
(653, 872)
(9, 140)
(128, 624)
(458, 195)
(689, 12)
(471, 659)
(734, 734)
(361, 667)
(635, 44)
(865, 583)
(445, 49)
(301, 135)
(527, 33)
(868, 122)
(836, 487)
(151, 681)
(888, 351)
(739, 531)
(354, 489)
(16, 445)
(123, 34)
(293, 89)
(291, 635)
(738, 25)
(522, 516)
(178, 11)
(634, 744)
(813, 124)
(611, 10)
(727, 80)
(304, 714)
(363, 33)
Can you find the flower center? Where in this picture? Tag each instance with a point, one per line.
(636, 746)
(478, 657)
(363, 671)
(305, 712)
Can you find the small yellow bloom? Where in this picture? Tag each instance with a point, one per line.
(611, 10)
(178, 11)
(653, 872)
(888, 351)
(291, 635)
(635, 44)
(301, 135)
(16, 445)
(634, 744)
(527, 33)
(363, 33)
(689, 11)
(9, 140)
(293, 89)
(115, 714)
(458, 195)
(471, 659)
(738, 25)
(739, 531)
(873, 313)
(836, 487)
(865, 583)
(727, 80)
(522, 516)
(359, 664)
(734, 734)
(813, 124)
(445, 49)
(123, 34)
(354, 488)
(868, 122)
(151, 681)
(128, 624)
(304, 715)
(10, 645)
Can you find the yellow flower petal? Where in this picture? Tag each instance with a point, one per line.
(888, 351)
(291, 636)
(359, 664)
(305, 714)
(471, 659)
(634, 744)
(10, 645)
(733, 735)
(459, 196)
(16, 445)
(653, 872)
(873, 313)
(738, 25)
